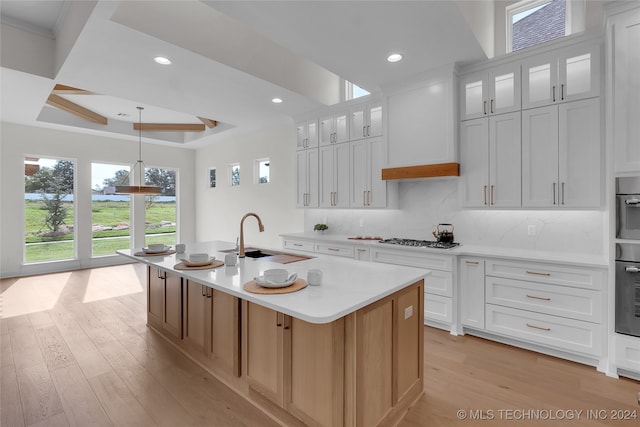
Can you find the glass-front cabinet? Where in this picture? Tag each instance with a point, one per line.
(490, 92)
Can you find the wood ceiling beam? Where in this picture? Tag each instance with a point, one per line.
(75, 109)
(169, 127)
(69, 90)
(208, 122)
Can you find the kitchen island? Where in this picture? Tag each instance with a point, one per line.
(346, 353)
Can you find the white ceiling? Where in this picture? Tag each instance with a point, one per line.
(229, 59)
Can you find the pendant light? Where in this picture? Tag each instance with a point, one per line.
(138, 189)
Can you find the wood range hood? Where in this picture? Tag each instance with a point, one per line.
(421, 171)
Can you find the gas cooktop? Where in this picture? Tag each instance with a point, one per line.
(420, 243)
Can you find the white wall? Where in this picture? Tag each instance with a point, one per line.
(422, 204)
(219, 210)
(17, 141)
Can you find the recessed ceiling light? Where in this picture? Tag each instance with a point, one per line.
(162, 60)
(394, 57)
(276, 101)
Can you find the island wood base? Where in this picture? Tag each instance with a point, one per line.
(365, 369)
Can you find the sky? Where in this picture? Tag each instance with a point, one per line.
(99, 171)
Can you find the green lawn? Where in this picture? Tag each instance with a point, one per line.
(106, 213)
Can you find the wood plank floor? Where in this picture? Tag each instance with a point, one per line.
(75, 350)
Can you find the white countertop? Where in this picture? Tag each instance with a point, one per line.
(347, 284)
(585, 260)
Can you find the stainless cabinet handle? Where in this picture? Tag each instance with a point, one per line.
(368, 198)
(368, 129)
(364, 131)
(361, 250)
(492, 106)
(633, 201)
(632, 270)
(554, 193)
(562, 92)
(538, 273)
(484, 107)
(554, 93)
(537, 297)
(333, 249)
(209, 293)
(484, 195)
(472, 262)
(364, 198)
(563, 193)
(492, 195)
(542, 328)
(202, 290)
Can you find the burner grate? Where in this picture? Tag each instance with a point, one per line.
(419, 243)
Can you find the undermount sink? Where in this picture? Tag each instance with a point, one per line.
(274, 256)
(258, 254)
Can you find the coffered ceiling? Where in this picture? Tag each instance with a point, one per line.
(229, 59)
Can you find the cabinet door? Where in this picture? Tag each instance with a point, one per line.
(172, 321)
(580, 154)
(474, 162)
(312, 138)
(626, 89)
(374, 116)
(264, 351)
(302, 133)
(224, 342)
(326, 129)
(377, 196)
(540, 157)
(473, 93)
(327, 176)
(579, 73)
(505, 169)
(341, 167)
(341, 128)
(504, 89)
(302, 178)
(472, 297)
(358, 173)
(357, 123)
(540, 81)
(195, 315)
(312, 178)
(155, 297)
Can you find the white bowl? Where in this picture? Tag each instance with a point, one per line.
(276, 275)
(200, 257)
(157, 247)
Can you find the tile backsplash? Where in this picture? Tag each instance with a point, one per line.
(425, 203)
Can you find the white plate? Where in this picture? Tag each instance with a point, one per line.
(261, 281)
(150, 251)
(197, 263)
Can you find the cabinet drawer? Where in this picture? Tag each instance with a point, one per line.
(628, 352)
(567, 334)
(547, 273)
(298, 245)
(438, 308)
(412, 259)
(574, 303)
(439, 283)
(331, 249)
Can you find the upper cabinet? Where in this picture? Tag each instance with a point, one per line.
(626, 91)
(365, 120)
(368, 190)
(307, 132)
(490, 92)
(334, 129)
(572, 74)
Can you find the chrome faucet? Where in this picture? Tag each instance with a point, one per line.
(260, 226)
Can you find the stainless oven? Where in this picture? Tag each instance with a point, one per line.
(628, 208)
(628, 289)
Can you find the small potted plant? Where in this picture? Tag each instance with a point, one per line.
(320, 228)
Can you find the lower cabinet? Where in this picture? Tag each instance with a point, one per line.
(471, 278)
(212, 326)
(627, 353)
(361, 370)
(164, 301)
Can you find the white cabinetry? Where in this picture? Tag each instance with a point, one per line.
(438, 286)
(307, 178)
(552, 305)
(490, 151)
(334, 176)
(626, 91)
(421, 123)
(490, 92)
(627, 353)
(471, 279)
(307, 134)
(572, 74)
(367, 189)
(365, 120)
(562, 155)
(334, 129)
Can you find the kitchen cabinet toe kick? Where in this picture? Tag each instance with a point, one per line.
(363, 369)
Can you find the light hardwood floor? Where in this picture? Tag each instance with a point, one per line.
(75, 350)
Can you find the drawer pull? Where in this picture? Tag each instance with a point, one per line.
(333, 249)
(537, 273)
(542, 328)
(472, 262)
(540, 298)
(297, 244)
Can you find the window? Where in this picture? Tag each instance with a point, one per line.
(261, 171)
(160, 211)
(211, 178)
(49, 209)
(531, 22)
(352, 91)
(234, 174)
(110, 213)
